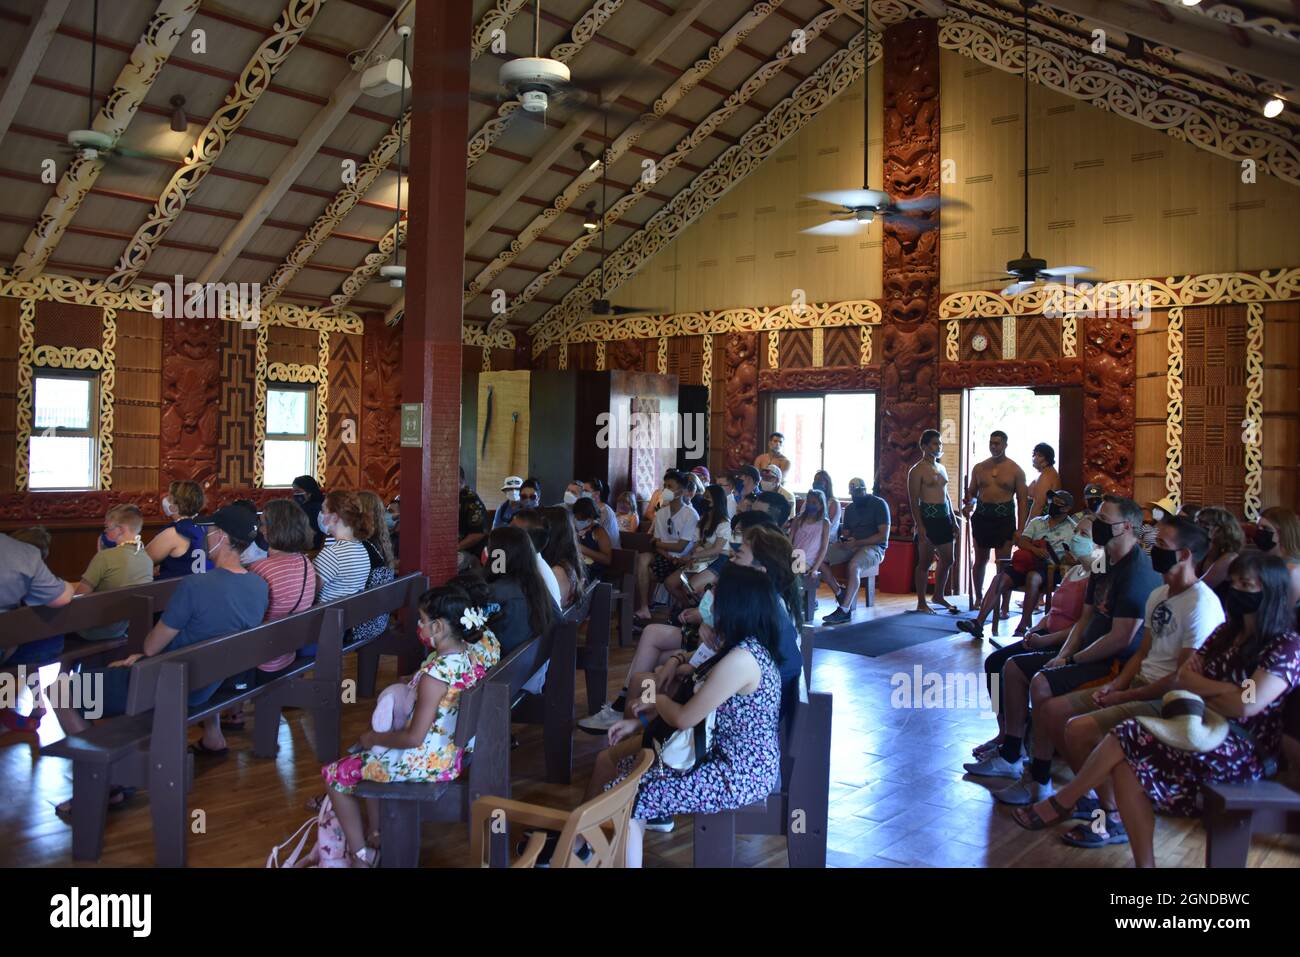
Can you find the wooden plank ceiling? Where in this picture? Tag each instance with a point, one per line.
(273, 207)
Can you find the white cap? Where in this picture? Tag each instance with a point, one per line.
(512, 482)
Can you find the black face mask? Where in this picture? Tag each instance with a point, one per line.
(1102, 533)
(1163, 559)
(1241, 603)
(1057, 510)
(1264, 539)
(857, 494)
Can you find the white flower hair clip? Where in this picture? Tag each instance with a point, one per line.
(472, 619)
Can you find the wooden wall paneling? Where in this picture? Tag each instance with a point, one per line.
(1105, 191)
(1038, 337)
(292, 346)
(137, 404)
(9, 309)
(1151, 408)
(507, 448)
(343, 442)
(1214, 399)
(796, 349)
(236, 408)
(582, 356)
(991, 330)
(1281, 478)
(192, 400)
(381, 403)
(842, 347)
(65, 324)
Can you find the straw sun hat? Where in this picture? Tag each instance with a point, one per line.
(1186, 723)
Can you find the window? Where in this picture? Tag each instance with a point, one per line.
(63, 451)
(290, 446)
(835, 432)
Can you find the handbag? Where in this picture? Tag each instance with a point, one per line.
(380, 574)
(683, 749)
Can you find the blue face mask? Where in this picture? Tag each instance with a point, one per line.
(1081, 546)
(706, 608)
(389, 520)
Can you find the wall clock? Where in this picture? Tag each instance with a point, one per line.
(979, 342)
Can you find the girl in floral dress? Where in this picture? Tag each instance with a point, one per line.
(461, 653)
(1257, 648)
(743, 686)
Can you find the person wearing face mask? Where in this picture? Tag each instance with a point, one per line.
(1278, 533)
(1092, 496)
(472, 525)
(1108, 632)
(510, 488)
(864, 536)
(728, 486)
(770, 478)
(597, 489)
(1163, 763)
(773, 455)
(810, 534)
(226, 599)
(572, 492)
(256, 551)
(309, 496)
(675, 532)
(628, 511)
(710, 554)
(834, 513)
(343, 564)
(746, 487)
(656, 500)
(178, 547)
(1180, 614)
(594, 546)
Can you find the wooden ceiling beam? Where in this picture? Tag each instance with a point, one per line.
(146, 60)
(31, 50)
(309, 144)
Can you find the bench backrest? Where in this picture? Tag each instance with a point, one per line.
(23, 625)
(403, 592)
(637, 541)
(623, 561)
(160, 591)
(579, 611)
(512, 671)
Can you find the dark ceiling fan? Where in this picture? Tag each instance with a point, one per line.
(857, 208)
(1029, 270)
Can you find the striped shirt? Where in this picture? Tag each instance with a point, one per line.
(291, 581)
(342, 568)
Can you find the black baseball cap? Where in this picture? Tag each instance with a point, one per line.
(236, 521)
(1060, 496)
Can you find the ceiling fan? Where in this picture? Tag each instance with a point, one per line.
(1029, 270)
(856, 208)
(90, 144)
(601, 306)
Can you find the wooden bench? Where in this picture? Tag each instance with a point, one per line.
(622, 572)
(1234, 813)
(146, 747)
(483, 717)
(554, 709)
(593, 654)
(799, 808)
(399, 640)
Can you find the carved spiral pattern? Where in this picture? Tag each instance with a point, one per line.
(1008, 337)
(498, 18)
(1070, 336)
(1254, 410)
(259, 409)
(864, 352)
(853, 312)
(252, 83)
(487, 360)
(663, 357)
(818, 347)
(706, 374)
(1174, 410)
(370, 266)
(564, 356)
(107, 390)
(952, 344)
(600, 355)
(26, 350)
(774, 349)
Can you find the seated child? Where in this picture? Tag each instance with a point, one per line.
(422, 746)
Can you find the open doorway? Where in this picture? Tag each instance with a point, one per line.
(835, 431)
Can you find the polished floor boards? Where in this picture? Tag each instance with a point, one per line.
(898, 798)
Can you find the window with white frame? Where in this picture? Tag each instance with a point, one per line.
(290, 446)
(63, 451)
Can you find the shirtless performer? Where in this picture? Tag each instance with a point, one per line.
(998, 485)
(936, 526)
(1048, 481)
(773, 455)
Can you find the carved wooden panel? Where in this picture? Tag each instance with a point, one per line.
(300, 347)
(9, 309)
(1016, 372)
(991, 330)
(343, 435)
(137, 401)
(191, 397)
(381, 409)
(626, 355)
(741, 398)
(796, 349)
(842, 347)
(235, 425)
(1109, 403)
(1214, 406)
(1038, 337)
(844, 379)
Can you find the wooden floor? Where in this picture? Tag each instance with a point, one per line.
(898, 798)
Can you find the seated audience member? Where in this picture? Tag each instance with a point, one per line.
(122, 563)
(1278, 533)
(1048, 635)
(597, 489)
(1027, 571)
(472, 525)
(1047, 481)
(513, 576)
(1107, 635)
(289, 574)
(380, 541)
(257, 550)
(1226, 542)
(393, 519)
(710, 552)
(227, 599)
(747, 478)
(774, 504)
(572, 492)
(511, 488)
(628, 511)
(655, 502)
(1181, 614)
(1207, 731)
(420, 745)
(343, 565)
(834, 513)
(1189, 511)
(1092, 498)
(771, 479)
(864, 536)
(773, 455)
(1152, 513)
(532, 522)
(561, 553)
(178, 548)
(810, 534)
(676, 528)
(26, 580)
(594, 545)
(697, 490)
(728, 486)
(743, 690)
(309, 496)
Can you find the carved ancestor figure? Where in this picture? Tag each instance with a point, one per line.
(191, 391)
(742, 398)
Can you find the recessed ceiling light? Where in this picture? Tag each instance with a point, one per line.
(1274, 107)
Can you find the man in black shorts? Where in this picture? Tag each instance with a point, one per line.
(927, 493)
(998, 495)
(1107, 634)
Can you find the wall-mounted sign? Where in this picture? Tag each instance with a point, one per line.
(412, 425)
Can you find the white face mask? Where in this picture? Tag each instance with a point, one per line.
(512, 495)
(587, 495)
(584, 526)
(569, 498)
(322, 524)
(667, 496)
(769, 485)
(167, 507)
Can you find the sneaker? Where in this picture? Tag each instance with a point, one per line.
(1025, 791)
(664, 824)
(838, 617)
(994, 766)
(601, 721)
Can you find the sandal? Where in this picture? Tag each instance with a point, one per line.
(367, 857)
(1030, 819)
(201, 749)
(1083, 835)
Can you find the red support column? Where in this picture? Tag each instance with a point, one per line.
(435, 278)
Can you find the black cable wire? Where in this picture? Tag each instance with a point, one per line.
(90, 87)
(1026, 31)
(401, 150)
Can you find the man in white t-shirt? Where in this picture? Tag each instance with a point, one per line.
(676, 527)
(1180, 615)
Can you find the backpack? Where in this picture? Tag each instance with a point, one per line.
(330, 850)
(380, 574)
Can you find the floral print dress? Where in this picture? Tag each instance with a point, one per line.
(437, 758)
(742, 766)
(1173, 778)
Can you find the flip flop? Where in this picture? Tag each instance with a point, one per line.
(200, 748)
